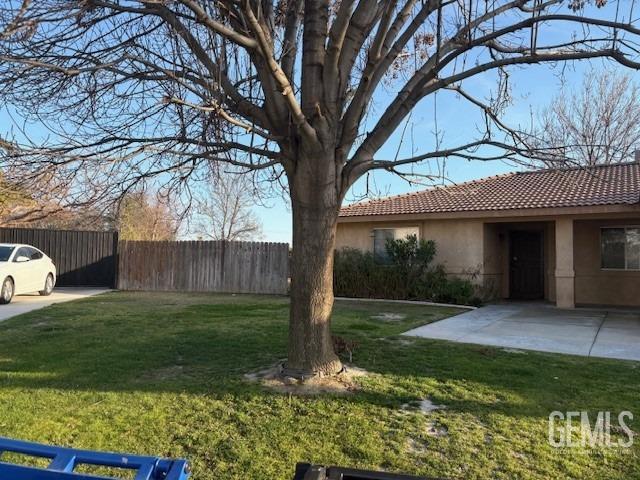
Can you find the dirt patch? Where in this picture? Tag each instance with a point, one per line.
(342, 384)
(389, 317)
(424, 406)
(437, 431)
(417, 446)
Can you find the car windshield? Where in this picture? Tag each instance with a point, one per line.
(5, 253)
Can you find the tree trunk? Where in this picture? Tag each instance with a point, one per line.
(315, 206)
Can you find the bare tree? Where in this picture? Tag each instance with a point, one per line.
(598, 124)
(14, 203)
(224, 209)
(20, 207)
(305, 91)
(140, 216)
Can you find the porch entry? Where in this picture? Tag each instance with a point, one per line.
(526, 265)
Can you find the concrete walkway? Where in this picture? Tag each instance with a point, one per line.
(27, 303)
(592, 333)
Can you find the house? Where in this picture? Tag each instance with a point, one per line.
(569, 236)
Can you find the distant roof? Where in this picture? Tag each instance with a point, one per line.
(616, 184)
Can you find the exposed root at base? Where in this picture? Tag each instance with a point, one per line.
(340, 383)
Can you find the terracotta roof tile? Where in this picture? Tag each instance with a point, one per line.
(617, 184)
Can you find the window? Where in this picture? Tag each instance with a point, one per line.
(23, 252)
(620, 248)
(5, 253)
(34, 254)
(381, 235)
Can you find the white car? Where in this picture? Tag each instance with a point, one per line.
(24, 269)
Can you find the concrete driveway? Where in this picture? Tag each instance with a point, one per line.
(27, 303)
(592, 333)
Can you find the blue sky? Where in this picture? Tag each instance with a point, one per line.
(532, 88)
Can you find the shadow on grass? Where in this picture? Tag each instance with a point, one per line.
(203, 344)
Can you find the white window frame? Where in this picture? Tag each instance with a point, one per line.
(373, 234)
(626, 256)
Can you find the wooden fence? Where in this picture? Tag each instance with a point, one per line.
(81, 258)
(196, 266)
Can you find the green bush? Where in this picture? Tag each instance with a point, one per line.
(408, 274)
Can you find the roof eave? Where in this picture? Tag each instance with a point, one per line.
(523, 212)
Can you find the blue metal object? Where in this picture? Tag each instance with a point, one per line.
(65, 460)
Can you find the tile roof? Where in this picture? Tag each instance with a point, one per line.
(617, 184)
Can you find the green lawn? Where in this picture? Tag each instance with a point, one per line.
(162, 374)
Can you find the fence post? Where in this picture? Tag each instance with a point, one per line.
(204, 266)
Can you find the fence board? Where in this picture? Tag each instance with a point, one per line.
(204, 266)
(82, 258)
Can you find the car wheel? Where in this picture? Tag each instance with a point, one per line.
(48, 286)
(6, 292)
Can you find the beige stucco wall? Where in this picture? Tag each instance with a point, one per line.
(593, 285)
(357, 235)
(459, 245)
(479, 249)
(360, 235)
(458, 242)
(495, 254)
(468, 248)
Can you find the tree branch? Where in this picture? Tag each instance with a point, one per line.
(278, 75)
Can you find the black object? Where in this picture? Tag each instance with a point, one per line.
(83, 259)
(306, 471)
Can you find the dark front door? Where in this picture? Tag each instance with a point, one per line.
(526, 273)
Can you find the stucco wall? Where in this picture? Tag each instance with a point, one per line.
(550, 262)
(355, 235)
(459, 243)
(479, 250)
(360, 235)
(495, 256)
(593, 285)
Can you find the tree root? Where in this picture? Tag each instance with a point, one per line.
(277, 378)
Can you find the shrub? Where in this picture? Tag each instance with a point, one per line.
(407, 275)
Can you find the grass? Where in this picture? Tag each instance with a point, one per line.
(162, 374)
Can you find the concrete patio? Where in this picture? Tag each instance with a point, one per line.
(542, 327)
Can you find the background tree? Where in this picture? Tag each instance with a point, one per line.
(598, 124)
(44, 198)
(142, 217)
(305, 91)
(20, 207)
(224, 209)
(15, 203)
